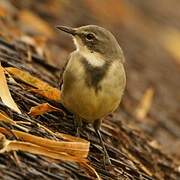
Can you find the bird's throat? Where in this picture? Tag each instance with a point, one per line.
(93, 58)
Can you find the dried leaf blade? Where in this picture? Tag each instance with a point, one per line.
(5, 93)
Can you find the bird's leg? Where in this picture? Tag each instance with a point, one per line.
(78, 124)
(84, 127)
(97, 125)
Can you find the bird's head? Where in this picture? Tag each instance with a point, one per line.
(94, 39)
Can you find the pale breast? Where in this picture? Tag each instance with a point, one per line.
(84, 100)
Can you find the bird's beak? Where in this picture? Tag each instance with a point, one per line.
(69, 30)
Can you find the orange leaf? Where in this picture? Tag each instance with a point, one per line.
(76, 148)
(15, 145)
(5, 118)
(53, 94)
(43, 88)
(8, 145)
(43, 108)
(5, 94)
(38, 42)
(145, 103)
(34, 22)
(171, 42)
(3, 11)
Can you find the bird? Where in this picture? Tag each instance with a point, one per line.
(94, 78)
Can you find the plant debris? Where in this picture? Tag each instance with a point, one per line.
(37, 134)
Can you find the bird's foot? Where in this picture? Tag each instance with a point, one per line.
(78, 125)
(106, 160)
(77, 132)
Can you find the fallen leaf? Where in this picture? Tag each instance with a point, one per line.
(5, 93)
(49, 92)
(37, 42)
(43, 108)
(68, 137)
(42, 88)
(154, 144)
(35, 23)
(8, 145)
(3, 11)
(119, 11)
(15, 145)
(5, 118)
(171, 42)
(144, 104)
(76, 148)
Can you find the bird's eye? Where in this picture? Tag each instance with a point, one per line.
(89, 37)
